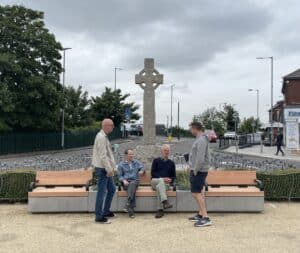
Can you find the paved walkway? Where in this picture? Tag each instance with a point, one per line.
(275, 230)
(268, 152)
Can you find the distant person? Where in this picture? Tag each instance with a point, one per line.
(129, 172)
(163, 174)
(199, 165)
(104, 164)
(279, 143)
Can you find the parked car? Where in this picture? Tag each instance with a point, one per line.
(211, 134)
(229, 135)
(136, 129)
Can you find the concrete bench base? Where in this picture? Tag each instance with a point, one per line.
(58, 204)
(186, 203)
(183, 202)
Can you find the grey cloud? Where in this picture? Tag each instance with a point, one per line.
(179, 34)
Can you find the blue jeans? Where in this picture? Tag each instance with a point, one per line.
(105, 193)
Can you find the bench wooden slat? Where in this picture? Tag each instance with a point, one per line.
(58, 178)
(231, 191)
(227, 177)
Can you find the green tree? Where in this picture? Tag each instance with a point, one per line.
(77, 111)
(111, 104)
(29, 70)
(248, 125)
(212, 119)
(228, 117)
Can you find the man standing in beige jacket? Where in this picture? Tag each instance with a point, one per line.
(104, 164)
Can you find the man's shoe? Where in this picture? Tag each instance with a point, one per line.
(159, 214)
(203, 222)
(167, 205)
(103, 221)
(131, 214)
(110, 215)
(195, 218)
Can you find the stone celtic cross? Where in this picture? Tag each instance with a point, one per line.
(149, 79)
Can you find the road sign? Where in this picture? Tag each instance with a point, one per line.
(127, 113)
(235, 115)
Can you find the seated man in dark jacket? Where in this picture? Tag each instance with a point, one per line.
(163, 174)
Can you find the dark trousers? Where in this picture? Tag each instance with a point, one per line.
(279, 149)
(105, 193)
(131, 190)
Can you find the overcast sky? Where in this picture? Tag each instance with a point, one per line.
(208, 49)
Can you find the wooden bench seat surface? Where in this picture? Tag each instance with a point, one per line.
(231, 191)
(146, 191)
(226, 177)
(59, 192)
(70, 177)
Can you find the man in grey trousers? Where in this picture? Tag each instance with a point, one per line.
(199, 165)
(129, 172)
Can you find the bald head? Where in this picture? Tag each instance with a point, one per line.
(107, 125)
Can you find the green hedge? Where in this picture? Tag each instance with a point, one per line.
(14, 185)
(280, 185)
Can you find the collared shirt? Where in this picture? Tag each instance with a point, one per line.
(199, 154)
(129, 170)
(102, 153)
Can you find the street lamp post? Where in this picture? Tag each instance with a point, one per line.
(171, 120)
(63, 109)
(272, 66)
(116, 76)
(257, 102)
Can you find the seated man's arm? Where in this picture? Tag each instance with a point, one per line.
(140, 166)
(121, 173)
(154, 169)
(173, 172)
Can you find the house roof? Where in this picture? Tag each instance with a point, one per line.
(292, 76)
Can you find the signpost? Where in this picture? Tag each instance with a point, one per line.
(235, 117)
(292, 135)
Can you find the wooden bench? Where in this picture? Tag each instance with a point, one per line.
(145, 195)
(227, 191)
(233, 183)
(60, 191)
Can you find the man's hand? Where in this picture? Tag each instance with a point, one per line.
(167, 180)
(141, 172)
(125, 182)
(110, 174)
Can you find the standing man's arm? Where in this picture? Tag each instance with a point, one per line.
(200, 153)
(101, 152)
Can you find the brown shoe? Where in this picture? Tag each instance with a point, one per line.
(167, 205)
(159, 214)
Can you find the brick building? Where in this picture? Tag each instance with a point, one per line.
(287, 111)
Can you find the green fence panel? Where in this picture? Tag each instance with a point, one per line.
(11, 143)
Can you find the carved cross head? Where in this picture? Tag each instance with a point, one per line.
(149, 77)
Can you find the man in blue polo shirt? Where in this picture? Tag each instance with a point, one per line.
(128, 172)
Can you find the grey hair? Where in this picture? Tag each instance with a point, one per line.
(165, 146)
